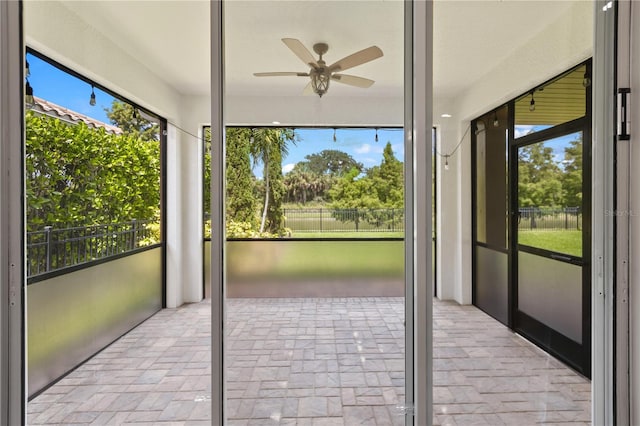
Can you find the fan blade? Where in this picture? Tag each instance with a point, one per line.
(352, 80)
(300, 51)
(358, 58)
(308, 89)
(280, 74)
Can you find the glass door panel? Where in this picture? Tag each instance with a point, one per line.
(550, 196)
(549, 307)
(306, 339)
(491, 138)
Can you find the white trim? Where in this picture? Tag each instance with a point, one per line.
(12, 279)
(419, 101)
(603, 261)
(623, 226)
(410, 310)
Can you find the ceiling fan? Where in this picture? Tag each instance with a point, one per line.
(320, 73)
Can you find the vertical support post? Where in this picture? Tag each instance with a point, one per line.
(12, 231)
(418, 283)
(134, 233)
(603, 232)
(357, 215)
(217, 189)
(393, 220)
(47, 233)
(320, 219)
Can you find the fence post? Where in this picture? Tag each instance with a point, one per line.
(532, 221)
(320, 219)
(393, 220)
(357, 221)
(566, 218)
(134, 234)
(47, 233)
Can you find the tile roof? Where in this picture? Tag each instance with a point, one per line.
(53, 110)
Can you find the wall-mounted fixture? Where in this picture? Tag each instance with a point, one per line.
(28, 94)
(532, 104)
(92, 98)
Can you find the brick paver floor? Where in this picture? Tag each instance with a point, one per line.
(315, 362)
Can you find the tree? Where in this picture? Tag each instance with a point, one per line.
(381, 188)
(129, 119)
(572, 178)
(331, 162)
(79, 176)
(303, 185)
(268, 147)
(388, 179)
(241, 203)
(539, 177)
(298, 184)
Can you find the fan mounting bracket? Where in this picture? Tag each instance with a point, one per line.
(320, 48)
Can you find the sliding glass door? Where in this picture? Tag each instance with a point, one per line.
(551, 226)
(491, 207)
(532, 227)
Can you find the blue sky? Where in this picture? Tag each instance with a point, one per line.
(359, 143)
(56, 86)
(557, 144)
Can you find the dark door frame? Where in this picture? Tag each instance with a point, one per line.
(577, 356)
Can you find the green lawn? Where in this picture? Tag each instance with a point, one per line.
(561, 241)
(360, 234)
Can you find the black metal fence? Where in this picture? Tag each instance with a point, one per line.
(344, 220)
(52, 249)
(562, 218)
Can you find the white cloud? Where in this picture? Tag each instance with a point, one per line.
(522, 130)
(365, 148)
(369, 160)
(287, 168)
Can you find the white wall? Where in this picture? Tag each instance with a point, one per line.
(313, 111)
(196, 112)
(57, 32)
(562, 44)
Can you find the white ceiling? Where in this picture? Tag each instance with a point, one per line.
(172, 39)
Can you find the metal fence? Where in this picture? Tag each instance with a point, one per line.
(563, 218)
(344, 220)
(52, 249)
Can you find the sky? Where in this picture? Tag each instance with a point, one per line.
(55, 85)
(359, 143)
(557, 144)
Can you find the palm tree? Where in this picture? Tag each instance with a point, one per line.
(269, 146)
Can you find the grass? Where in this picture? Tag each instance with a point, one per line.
(360, 234)
(561, 241)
